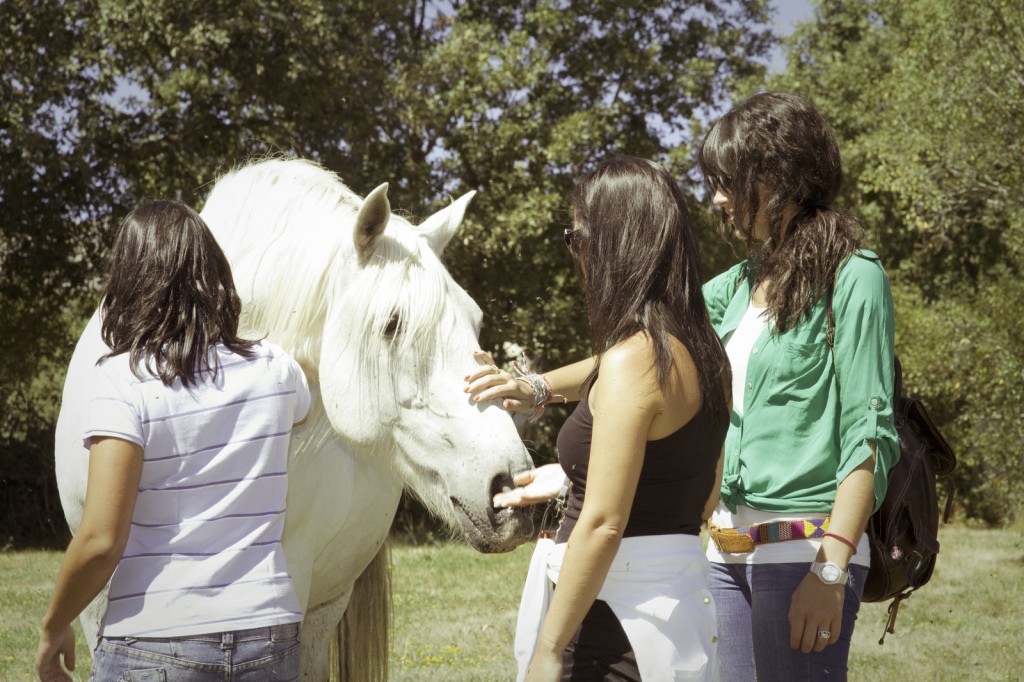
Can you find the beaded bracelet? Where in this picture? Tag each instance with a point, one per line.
(830, 534)
(539, 384)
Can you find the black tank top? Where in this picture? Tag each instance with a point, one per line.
(675, 481)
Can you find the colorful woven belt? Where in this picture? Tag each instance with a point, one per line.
(744, 538)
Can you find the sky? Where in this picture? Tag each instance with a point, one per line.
(787, 14)
(790, 11)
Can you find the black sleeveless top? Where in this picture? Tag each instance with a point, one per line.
(676, 479)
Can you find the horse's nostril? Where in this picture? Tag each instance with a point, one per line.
(501, 483)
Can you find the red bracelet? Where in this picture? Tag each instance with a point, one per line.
(841, 539)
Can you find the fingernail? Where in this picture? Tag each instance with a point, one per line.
(476, 398)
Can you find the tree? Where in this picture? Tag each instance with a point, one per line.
(114, 101)
(124, 100)
(45, 187)
(524, 98)
(926, 97)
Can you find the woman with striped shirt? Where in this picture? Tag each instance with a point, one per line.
(188, 433)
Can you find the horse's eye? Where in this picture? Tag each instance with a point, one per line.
(392, 328)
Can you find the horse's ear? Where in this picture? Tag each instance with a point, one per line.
(439, 228)
(372, 219)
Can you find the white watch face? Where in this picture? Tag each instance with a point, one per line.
(831, 573)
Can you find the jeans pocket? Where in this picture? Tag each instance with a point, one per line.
(284, 666)
(127, 659)
(275, 661)
(118, 663)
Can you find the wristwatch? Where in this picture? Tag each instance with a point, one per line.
(829, 572)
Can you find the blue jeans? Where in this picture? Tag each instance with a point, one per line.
(752, 602)
(269, 654)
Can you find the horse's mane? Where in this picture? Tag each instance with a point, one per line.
(287, 229)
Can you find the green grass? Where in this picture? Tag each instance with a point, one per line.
(966, 624)
(26, 583)
(455, 612)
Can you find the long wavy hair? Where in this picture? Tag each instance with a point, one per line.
(170, 297)
(639, 260)
(769, 152)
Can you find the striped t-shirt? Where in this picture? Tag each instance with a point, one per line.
(204, 551)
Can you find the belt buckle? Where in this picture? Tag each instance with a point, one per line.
(731, 543)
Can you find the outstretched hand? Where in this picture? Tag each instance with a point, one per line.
(489, 382)
(534, 486)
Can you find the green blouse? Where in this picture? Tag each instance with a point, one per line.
(803, 431)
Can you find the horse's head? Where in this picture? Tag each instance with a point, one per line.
(361, 298)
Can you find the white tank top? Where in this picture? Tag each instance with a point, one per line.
(739, 347)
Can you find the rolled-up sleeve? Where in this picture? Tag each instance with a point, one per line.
(864, 319)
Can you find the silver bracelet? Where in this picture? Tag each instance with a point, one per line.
(542, 393)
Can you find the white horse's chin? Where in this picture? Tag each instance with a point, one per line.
(496, 530)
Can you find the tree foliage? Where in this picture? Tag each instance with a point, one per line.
(108, 102)
(926, 97)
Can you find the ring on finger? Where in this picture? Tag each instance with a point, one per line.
(824, 634)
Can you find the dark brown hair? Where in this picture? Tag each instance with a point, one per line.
(640, 264)
(170, 296)
(777, 147)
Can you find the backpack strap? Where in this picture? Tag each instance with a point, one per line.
(893, 610)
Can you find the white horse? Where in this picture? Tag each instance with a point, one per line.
(361, 299)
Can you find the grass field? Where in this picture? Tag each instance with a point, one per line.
(455, 614)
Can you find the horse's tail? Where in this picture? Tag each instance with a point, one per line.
(362, 635)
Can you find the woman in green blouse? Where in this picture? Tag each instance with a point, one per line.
(811, 436)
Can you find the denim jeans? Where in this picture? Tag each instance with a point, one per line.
(752, 602)
(269, 654)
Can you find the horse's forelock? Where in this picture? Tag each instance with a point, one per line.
(408, 283)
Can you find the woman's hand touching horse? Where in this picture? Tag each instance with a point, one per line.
(490, 382)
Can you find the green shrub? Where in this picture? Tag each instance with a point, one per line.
(961, 356)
